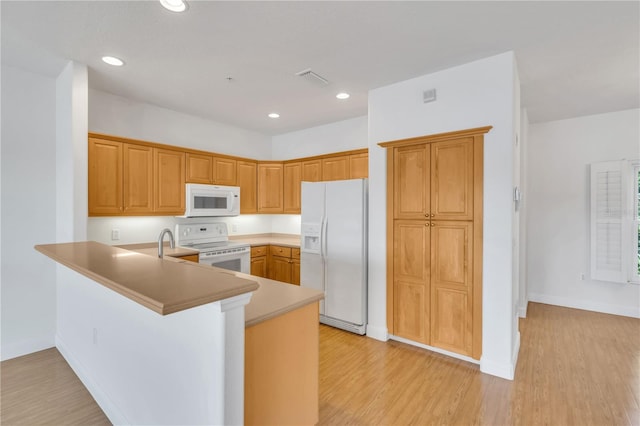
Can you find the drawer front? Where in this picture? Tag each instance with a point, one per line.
(295, 253)
(280, 251)
(258, 251)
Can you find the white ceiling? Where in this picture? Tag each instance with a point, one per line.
(574, 58)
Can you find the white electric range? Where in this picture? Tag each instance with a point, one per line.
(211, 240)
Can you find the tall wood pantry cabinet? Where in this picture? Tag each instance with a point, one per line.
(434, 240)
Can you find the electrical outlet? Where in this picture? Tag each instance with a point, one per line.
(115, 234)
(234, 227)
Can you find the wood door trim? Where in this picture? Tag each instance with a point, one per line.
(478, 195)
(390, 240)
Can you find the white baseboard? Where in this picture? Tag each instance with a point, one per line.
(626, 311)
(522, 310)
(502, 370)
(434, 349)
(114, 414)
(378, 333)
(14, 350)
(514, 358)
(499, 369)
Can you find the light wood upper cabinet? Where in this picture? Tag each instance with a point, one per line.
(359, 165)
(335, 168)
(292, 187)
(312, 171)
(128, 177)
(138, 179)
(169, 182)
(247, 180)
(452, 179)
(434, 181)
(105, 177)
(411, 182)
(199, 168)
(224, 171)
(270, 184)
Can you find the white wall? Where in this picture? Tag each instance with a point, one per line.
(339, 136)
(114, 115)
(28, 211)
(147, 228)
(71, 153)
(146, 368)
(118, 116)
(559, 154)
(477, 94)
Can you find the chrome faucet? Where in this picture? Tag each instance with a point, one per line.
(172, 243)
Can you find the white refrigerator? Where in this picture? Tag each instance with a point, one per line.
(333, 250)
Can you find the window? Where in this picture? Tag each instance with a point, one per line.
(615, 221)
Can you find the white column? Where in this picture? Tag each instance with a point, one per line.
(72, 120)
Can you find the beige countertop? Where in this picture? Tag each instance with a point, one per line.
(136, 272)
(152, 249)
(287, 240)
(162, 285)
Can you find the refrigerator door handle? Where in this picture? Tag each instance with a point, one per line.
(323, 238)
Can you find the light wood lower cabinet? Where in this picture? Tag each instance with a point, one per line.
(259, 256)
(281, 369)
(278, 263)
(411, 280)
(189, 258)
(295, 266)
(452, 286)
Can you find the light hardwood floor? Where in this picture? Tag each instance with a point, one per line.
(575, 368)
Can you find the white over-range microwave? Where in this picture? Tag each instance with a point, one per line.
(212, 200)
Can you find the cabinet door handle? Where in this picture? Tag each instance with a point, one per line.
(426, 215)
(432, 215)
(426, 224)
(432, 224)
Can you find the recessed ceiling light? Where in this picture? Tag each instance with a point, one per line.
(112, 60)
(174, 5)
(274, 115)
(342, 95)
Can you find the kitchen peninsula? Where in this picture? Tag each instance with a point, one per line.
(162, 340)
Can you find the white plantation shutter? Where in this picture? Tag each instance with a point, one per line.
(608, 232)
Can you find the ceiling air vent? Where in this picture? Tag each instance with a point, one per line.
(313, 77)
